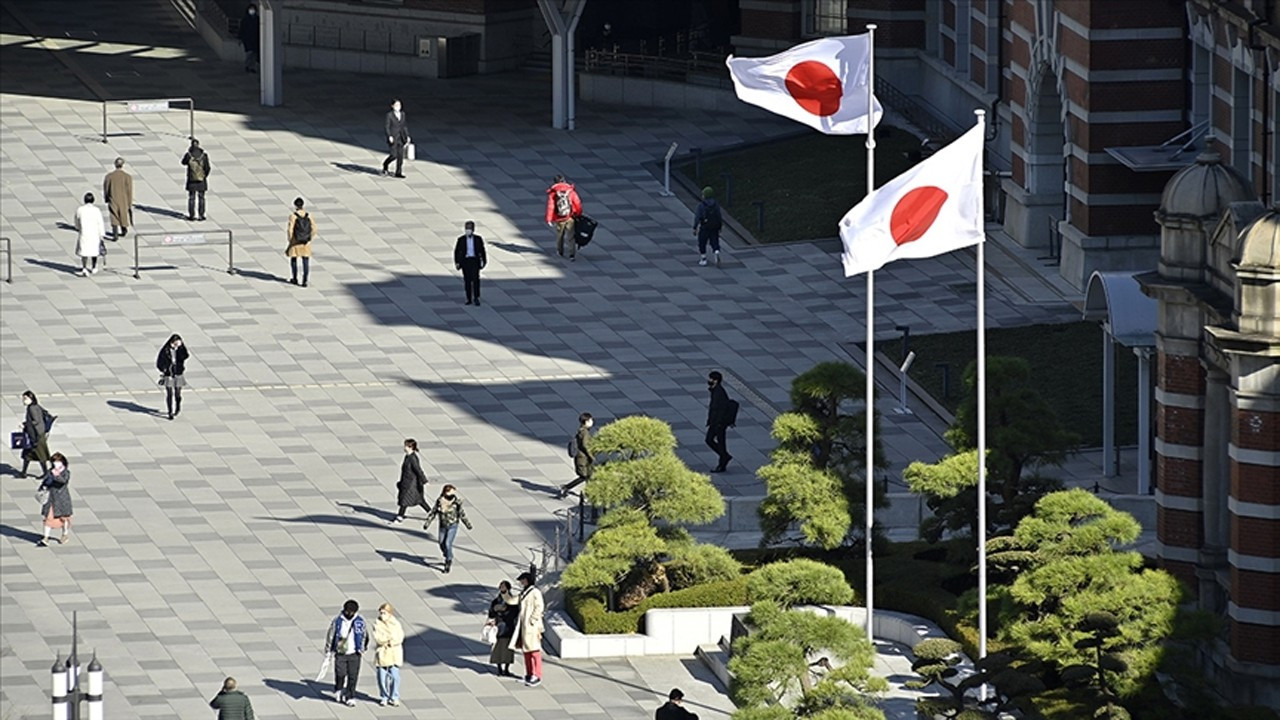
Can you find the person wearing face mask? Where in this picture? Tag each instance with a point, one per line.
(172, 363)
(449, 509)
(469, 257)
(528, 635)
(504, 612)
(35, 425)
(249, 37)
(56, 510)
(720, 417)
(411, 490)
(397, 130)
(388, 654)
(583, 460)
(346, 640)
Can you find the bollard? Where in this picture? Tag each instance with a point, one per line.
(760, 217)
(697, 163)
(582, 516)
(946, 379)
(666, 170)
(94, 696)
(728, 187)
(903, 408)
(61, 701)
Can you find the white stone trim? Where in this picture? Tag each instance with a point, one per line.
(1260, 403)
(1105, 34)
(1096, 199)
(1253, 616)
(1139, 75)
(1179, 452)
(1266, 458)
(1179, 400)
(1177, 552)
(1179, 502)
(1118, 117)
(1240, 508)
(1253, 562)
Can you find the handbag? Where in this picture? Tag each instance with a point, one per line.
(489, 633)
(42, 496)
(410, 152)
(19, 441)
(324, 666)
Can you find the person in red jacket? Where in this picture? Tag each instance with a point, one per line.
(563, 205)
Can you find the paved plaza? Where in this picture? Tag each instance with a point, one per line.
(222, 542)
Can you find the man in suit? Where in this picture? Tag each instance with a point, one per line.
(674, 709)
(718, 419)
(469, 257)
(397, 129)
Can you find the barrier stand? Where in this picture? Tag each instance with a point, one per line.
(157, 105)
(6, 246)
(666, 170)
(198, 238)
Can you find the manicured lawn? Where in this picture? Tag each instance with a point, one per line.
(1066, 361)
(807, 183)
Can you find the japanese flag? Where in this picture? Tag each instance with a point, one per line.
(933, 208)
(822, 84)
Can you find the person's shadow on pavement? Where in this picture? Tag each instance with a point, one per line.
(133, 407)
(299, 690)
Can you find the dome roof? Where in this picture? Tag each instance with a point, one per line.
(1260, 242)
(1204, 189)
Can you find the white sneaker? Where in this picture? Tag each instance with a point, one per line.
(703, 261)
(717, 258)
(94, 270)
(83, 272)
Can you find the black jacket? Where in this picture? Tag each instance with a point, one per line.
(197, 155)
(176, 365)
(249, 32)
(672, 711)
(33, 423)
(413, 481)
(718, 410)
(398, 129)
(460, 250)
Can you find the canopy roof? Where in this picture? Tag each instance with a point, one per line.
(1116, 299)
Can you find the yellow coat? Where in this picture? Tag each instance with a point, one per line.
(297, 250)
(388, 639)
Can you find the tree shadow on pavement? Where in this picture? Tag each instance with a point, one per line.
(435, 647)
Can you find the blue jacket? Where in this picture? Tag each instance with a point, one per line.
(358, 635)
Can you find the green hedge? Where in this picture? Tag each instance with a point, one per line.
(588, 611)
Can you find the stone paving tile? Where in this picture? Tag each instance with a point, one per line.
(221, 543)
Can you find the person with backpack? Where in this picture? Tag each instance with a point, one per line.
(300, 232)
(563, 206)
(583, 460)
(707, 221)
(35, 426)
(722, 414)
(197, 163)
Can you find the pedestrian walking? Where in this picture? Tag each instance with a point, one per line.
(449, 510)
(300, 231)
(346, 640)
(397, 131)
(249, 38)
(527, 638)
(583, 460)
(722, 414)
(707, 221)
(91, 226)
(388, 654)
(230, 703)
(504, 613)
(56, 506)
(117, 191)
(411, 490)
(197, 163)
(172, 363)
(469, 257)
(563, 206)
(673, 709)
(35, 426)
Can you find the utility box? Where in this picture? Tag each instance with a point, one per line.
(458, 56)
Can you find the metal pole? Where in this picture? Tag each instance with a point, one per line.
(1108, 403)
(582, 516)
(571, 80)
(136, 268)
(982, 443)
(191, 118)
(8, 259)
(871, 344)
(728, 187)
(231, 248)
(73, 667)
(104, 122)
(666, 172)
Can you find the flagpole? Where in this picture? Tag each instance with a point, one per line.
(871, 337)
(982, 429)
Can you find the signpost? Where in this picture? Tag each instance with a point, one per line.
(156, 105)
(191, 238)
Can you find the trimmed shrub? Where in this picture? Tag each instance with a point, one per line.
(698, 564)
(589, 614)
(799, 582)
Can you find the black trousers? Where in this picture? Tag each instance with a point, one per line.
(397, 154)
(421, 503)
(192, 197)
(471, 277)
(716, 441)
(346, 670)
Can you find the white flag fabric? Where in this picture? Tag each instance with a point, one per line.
(822, 83)
(931, 209)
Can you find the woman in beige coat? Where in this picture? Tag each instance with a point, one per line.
(388, 656)
(300, 232)
(528, 636)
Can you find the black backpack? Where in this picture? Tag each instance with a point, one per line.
(731, 413)
(301, 229)
(712, 218)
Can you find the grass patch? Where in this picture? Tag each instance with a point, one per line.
(807, 183)
(1066, 361)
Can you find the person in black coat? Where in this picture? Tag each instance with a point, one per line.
(674, 708)
(718, 419)
(34, 426)
(172, 363)
(249, 37)
(397, 131)
(197, 163)
(504, 613)
(469, 257)
(411, 490)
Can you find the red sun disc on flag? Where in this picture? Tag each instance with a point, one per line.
(815, 88)
(915, 212)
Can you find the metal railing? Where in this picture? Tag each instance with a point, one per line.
(554, 554)
(702, 68)
(189, 238)
(153, 105)
(920, 116)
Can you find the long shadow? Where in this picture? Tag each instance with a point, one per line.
(361, 169)
(165, 212)
(264, 276)
(299, 689)
(10, 470)
(384, 515)
(411, 558)
(404, 529)
(134, 407)
(59, 267)
(537, 487)
(517, 249)
(19, 534)
(65, 226)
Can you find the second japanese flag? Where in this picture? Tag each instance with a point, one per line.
(933, 208)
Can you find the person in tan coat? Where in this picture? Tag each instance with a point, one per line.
(117, 190)
(528, 636)
(388, 656)
(300, 232)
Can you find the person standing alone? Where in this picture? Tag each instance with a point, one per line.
(397, 129)
(117, 191)
(91, 226)
(346, 640)
(469, 257)
(707, 221)
(172, 363)
(249, 37)
(300, 231)
(197, 163)
(721, 415)
(563, 205)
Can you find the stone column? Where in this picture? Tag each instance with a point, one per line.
(1180, 388)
